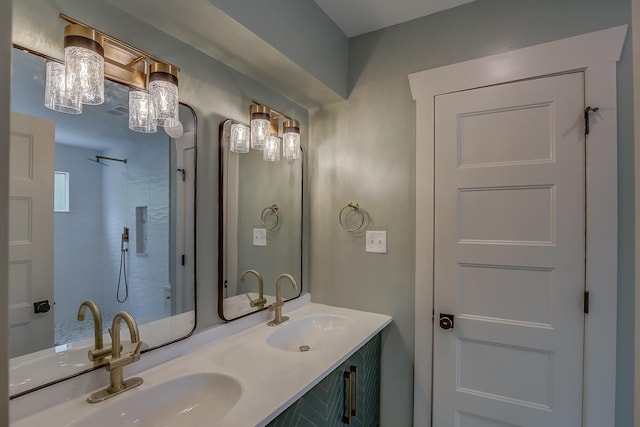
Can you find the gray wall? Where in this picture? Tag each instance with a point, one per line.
(363, 149)
(301, 31)
(5, 69)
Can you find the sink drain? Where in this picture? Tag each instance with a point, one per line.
(304, 348)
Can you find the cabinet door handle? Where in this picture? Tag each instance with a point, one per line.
(346, 419)
(354, 411)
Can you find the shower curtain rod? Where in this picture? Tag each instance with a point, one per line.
(98, 158)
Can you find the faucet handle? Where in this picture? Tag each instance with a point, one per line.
(258, 302)
(276, 305)
(99, 355)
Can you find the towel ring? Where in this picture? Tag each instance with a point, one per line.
(353, 207)
(273, 210)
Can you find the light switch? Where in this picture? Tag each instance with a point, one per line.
(259, 237)
(376, 242)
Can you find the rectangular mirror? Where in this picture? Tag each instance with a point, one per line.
(97, 212)
(260, 224)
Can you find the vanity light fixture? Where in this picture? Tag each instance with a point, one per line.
(290, 139)
(84, 61)
(265, 134)
(91, 56)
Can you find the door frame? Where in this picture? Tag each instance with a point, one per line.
(595, 54)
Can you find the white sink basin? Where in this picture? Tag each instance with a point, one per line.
(311, 333)
(191, 400)
(32, 370)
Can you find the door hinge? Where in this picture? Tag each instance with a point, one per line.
(586, 302)
(587, 112)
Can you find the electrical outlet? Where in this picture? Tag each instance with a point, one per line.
(376, 242)
(259, 237)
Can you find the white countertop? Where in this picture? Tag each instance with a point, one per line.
(271, 378)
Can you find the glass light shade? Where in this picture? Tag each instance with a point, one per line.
(141, 114)
(163, 88)
(56, 97)
(260, 129)
(239, 138)
(271, 150)
(165, 99)
(85, 74)
(291, 140)
(260, 126)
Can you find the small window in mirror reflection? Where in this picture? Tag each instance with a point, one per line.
(61, 192)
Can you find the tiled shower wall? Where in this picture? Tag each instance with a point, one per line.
(87, 255)
(77, 240)
(142, 181)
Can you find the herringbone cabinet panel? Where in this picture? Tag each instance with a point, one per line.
(324, 404)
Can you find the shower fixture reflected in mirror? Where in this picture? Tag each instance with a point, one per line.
(101, 159)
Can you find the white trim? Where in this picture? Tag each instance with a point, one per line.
(596, 54)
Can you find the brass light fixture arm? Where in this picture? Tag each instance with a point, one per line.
(124, 63)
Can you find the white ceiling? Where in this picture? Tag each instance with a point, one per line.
(355, 17)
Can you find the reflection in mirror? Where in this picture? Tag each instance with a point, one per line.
(97, 212)
(260, 226)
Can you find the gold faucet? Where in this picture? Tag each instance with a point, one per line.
(99, 352)
(118, 360)
(277, 306)
(261, 300)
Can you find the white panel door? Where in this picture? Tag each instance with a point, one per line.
(510, 255)
(31, 170)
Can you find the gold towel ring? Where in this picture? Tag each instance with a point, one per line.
(273, 210)
(353, 207)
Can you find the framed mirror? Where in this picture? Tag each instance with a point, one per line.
(97, 212)
(260, 228)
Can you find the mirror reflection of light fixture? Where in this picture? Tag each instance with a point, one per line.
(92, 56)
(163, 88)
(56, 96)
(84, 60)
(260, 126)
(239, 138)
(142, 116)
(290, 139)
(271, 150)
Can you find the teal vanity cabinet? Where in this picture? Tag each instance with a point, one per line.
(350, 395)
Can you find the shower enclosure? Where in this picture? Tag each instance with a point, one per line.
(112, 245)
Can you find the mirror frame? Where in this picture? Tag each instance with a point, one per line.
(221, 241)
(195, 243)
